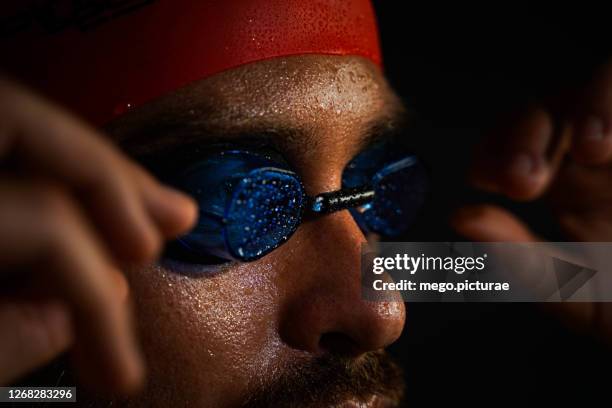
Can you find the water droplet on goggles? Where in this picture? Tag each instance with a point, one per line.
(273, 199)
(400, 184)
(248, 204)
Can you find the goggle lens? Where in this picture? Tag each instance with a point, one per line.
(400, 187)
(264, 211)
(250, 204)
(399, 193)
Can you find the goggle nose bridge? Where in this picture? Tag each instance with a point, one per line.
(343, 199)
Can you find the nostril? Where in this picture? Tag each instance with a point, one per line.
(339, 344)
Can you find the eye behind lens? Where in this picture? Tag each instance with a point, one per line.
(400, 188)
(400, 192)
(265, 210)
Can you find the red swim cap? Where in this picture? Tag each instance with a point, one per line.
(98, 57)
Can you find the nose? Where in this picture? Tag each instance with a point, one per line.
(323, 309)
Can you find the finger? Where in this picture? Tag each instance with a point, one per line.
(55, 144)
(48, 231)
(515, 163)
(488, 223)
(121, 285)
(592, 142)
(174, 212)
(32, 335)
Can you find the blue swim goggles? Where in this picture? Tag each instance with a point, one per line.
(250, 203)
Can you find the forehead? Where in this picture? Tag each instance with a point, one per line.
(312, 95)
(300, 91)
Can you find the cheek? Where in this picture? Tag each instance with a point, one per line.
(203, 334)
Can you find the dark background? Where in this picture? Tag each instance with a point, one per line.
(459, 70)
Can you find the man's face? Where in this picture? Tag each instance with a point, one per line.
(292, 326)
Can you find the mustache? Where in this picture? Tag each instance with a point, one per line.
(331, 380)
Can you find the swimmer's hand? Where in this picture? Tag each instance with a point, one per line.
(561, 156)
(72, 210)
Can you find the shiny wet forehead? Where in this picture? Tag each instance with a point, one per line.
(308, 104)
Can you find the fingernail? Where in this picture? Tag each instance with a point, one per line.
(121, 285)
(175, 195)
(179, 199)
(593, 128)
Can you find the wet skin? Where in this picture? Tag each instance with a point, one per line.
(213, 338)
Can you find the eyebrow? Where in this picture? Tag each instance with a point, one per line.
(182, 140)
